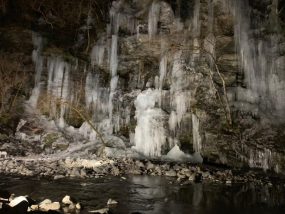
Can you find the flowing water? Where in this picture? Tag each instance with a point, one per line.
(147, 194)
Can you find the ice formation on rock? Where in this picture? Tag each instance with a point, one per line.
(197, 146)
(97, 54)
(257, 59)
(260, 159)
(38, 61)
(177, 155)
(179, 97)
(58, 87)
(150, 134)
(153, 18)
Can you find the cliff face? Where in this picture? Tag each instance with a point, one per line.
(205, 75)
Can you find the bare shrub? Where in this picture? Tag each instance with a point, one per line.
(12, 80)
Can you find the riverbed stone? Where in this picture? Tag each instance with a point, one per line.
(171, 173)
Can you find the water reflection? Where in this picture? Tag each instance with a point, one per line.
(146, 194)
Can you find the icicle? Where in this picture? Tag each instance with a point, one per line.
(114, 18)
(58, 88)
(114, 79)
(210, 16)
(153, 18)
(162, 70)
(97, 55)
(196, 24)
(114, 56)
(64, 96)
(195, 32)
(197, 146)
(179, 97)
(92, 93)
(172, 121)
(51, 67)
(260, 159)
(263, 78)
(38, 61)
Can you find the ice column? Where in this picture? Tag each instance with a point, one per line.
(115, 25)
(113, 69)
(197, 146)
(58, 87)
(195, 29)
(150, 134)
(153, 18)
(179, 97)
(97, 54)
(38, 61)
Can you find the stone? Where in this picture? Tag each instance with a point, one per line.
(170, 173)
(56, 177)
(115, 171)
(17, 200)
(34, 207)
(100, 211)
(149, 165)
(71, 206)
(75, 172)
(228, 182)
(191, 177)
(67, 200)
(46, 201)
(78, 206)
(112, 202)
(50, 206)
(3, 154)
(139, 164)
(83, 173)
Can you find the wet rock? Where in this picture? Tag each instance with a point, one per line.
(198, 177)
(115, 171)
(181, 176)
(75, 172)
(158, 170)
(49, 206)
(170, 173)
(67, 200)
(100, 211)
(56, 177)
(3, 154)
(136, 172)
(139, 164)
(83, 173)
(35, 207)
(78, 206)
(228, 182)
(149, 165)
(191, 177)
(111, 202)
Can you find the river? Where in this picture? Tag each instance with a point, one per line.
(158, 195)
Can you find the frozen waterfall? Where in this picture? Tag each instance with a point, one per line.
(150, 134)
(264, 78)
